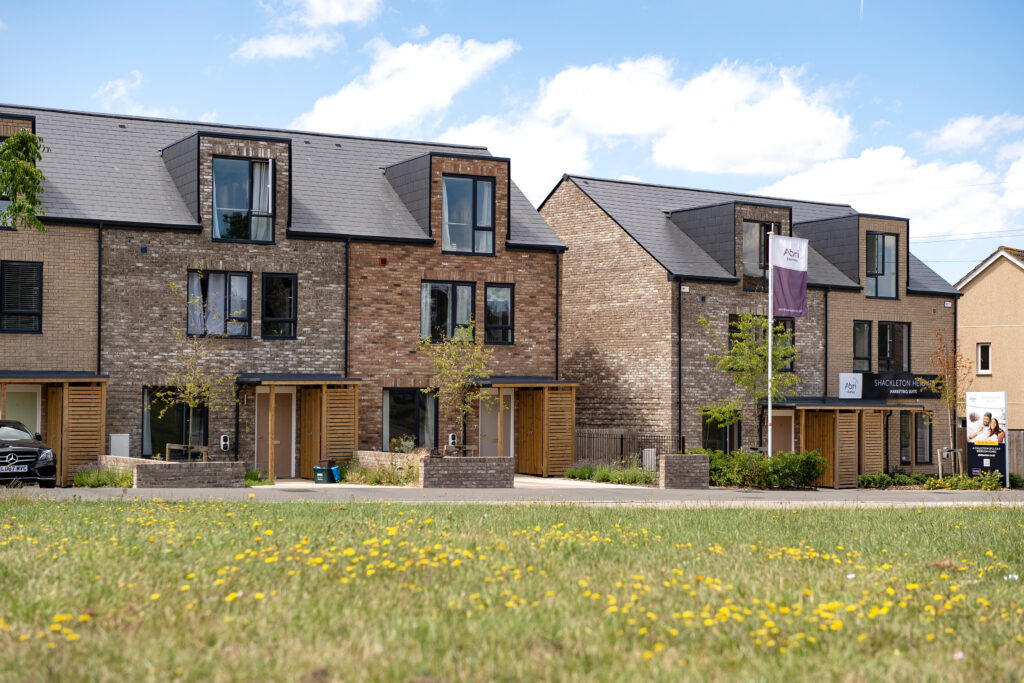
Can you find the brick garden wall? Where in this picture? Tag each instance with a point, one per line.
(455, 472)
(678, 471)
(152, 474)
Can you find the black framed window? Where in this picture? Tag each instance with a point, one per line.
(218, 303)
(467, 213)
(4, 199)
(906, 422)
(755, 247)
(21, 297)
(715, 436)
(243, 200)
(985, 358)
(280, 305)
(788, 325)
(861, 346)
(923, 439)
(409, 413)
(443, 307)
(499, 317)
(894, 347)
(881, 265)
(161, 427)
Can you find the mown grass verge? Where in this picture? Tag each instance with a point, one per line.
(137, 590)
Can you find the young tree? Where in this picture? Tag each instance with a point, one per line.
(21, 183)
(460, 364)
(744, 356)
(191, 382)
(954, 374)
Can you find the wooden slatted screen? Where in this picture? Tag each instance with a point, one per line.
(309, 435)
(821, 436)
(83, 429)
(560, 449)
(872, 444)
(848, 450)
(342, 423)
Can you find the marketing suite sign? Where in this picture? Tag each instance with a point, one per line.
(986, 433)
(882, 385)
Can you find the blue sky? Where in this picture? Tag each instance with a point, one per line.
(901, 108)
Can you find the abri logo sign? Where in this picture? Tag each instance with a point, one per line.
(851, 384)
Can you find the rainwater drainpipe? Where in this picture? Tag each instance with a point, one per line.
(348, 246)
(679, 363)
(99, 300)
(558, 306)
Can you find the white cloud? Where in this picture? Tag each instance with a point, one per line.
(729, 119)
(969, 132)
(116, 96)
(938, 197)
(317, 15)
(208, 116)
(418, 32)
(1013, 181)
(404, 84)
(278, 45)
(634, 179)
(3, 26)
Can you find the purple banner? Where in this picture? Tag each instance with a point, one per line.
(790, 292)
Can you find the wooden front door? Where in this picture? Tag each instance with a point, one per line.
(309, 431)
(530, 450)
(55, 427)
(821, 437)
(283, 437)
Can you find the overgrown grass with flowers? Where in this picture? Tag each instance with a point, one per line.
(161, 590)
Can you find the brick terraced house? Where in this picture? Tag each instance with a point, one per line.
(322, 259)
(646, 262)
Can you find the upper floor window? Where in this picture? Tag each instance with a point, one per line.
(755, 247)
(788, 325)
(498, 320)
(894, 347)
(279, 309)
(861, 346)
(218, 303)
(985, 358)
(467, 211)
(21, 297)
(443, 307)
(243, 207)
(881, 265)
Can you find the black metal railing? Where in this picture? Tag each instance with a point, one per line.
(624, 449)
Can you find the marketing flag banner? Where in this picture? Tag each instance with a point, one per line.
(789, 273)
(986, 433)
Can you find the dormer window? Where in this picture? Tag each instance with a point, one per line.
(881, 265)
(243, 207)
(755, 247)
(467, 213)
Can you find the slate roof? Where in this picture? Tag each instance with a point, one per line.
(640, 209)
(108, 168)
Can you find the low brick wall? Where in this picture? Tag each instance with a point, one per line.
(383, 458)
(683, 471)
(467, 473)
(152, 474)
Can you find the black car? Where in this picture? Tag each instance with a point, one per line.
(24, 457)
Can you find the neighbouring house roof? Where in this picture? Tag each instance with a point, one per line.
(643, 210)
(294, 378)
(106, 168)
(1014, 256)
(51, 376)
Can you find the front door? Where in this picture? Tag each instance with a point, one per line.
(530, 452)
(821, 437)
(284, 438)
(782, 433)
(490, 431)
(23, 405)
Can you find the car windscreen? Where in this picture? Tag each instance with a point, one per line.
(9, 432)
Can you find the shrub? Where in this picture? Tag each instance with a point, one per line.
(603, 473)
(1016, 481)
(742, 468)
(900, 479)
(384, 475)
(256, 478)
(632, 475)
(990, 481)
(880, 480)
(580, 472)
(101, 477)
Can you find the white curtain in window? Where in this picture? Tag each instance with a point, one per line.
(427, 420)
(261, 226)
(463, 304)
(446, 239)
(216, 297)
(424, 311)
(238, 302)
(196, 324)
(484, 202)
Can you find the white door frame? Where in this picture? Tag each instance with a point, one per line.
(255, 411)
(24, 389)
(511, 432)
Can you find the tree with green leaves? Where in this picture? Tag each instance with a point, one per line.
(191, 381)
(954, 373)
(21, 183)
(460, 365)
(743, 355)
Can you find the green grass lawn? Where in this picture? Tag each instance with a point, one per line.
(247, 591)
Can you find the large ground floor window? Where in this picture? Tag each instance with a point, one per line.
(409, 414)
(918, 425)
(161, 427)
(715, 436)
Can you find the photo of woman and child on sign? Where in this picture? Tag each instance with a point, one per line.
(986, 427)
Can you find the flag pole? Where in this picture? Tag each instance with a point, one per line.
(771, 333)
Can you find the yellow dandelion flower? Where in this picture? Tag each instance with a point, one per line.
(231, 596)
(154, 596)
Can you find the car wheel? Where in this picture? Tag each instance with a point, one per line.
(47, 484)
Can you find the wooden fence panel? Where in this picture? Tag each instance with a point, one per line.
(848, 451)
(874, 452)
(821, 437)
(83, 429)
(1015, 450)
(342, 422)
(560, 448)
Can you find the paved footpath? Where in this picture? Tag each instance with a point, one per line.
(551, 491)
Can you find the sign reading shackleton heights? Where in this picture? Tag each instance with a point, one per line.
(986, 433)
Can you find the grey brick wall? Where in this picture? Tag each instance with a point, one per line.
(455, 473)
(153, 474)
(678, 471)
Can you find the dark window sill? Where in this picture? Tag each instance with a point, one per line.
(39, 331)
(232, 241)
(467, 253)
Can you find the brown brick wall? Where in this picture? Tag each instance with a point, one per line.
(385, 308)
(458, 473)
(68, 340)
(690, 471)
(618, 329)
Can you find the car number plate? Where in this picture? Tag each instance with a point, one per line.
(13, 468)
